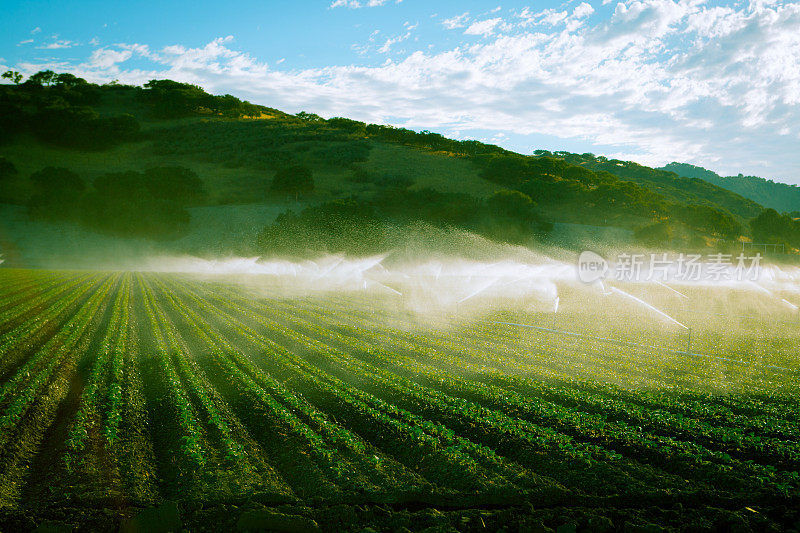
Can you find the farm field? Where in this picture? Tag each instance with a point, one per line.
(144, 400)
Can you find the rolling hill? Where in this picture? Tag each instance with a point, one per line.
(144, 162)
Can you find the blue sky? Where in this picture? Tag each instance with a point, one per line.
(710, 83)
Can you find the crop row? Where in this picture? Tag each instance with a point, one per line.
(406, 426)
(98, 395)
(618, 434)
(189, 428)
(27, 385)
(17, 293)
(332, 447)
(53, 301)
(644, 434)
(540, 355)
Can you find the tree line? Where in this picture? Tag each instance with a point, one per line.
(150, 204)
(362, 226)
(57, 109)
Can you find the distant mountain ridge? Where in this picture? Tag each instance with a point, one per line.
(782, 197)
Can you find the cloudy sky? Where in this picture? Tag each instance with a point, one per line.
(711, 83)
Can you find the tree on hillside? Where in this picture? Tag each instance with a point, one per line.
(43, 77)
(57, 180)
(58, 194)
(354, 127)
(513, 204)
(345, 225)
(174, 99)
(511, 216)
(655, 234)
(12, 75)
(177, 184)
(710, 220)
(293, 180)
(772, 227)
(506, 170)
(66, 79)
(309, 117)
(82, 127)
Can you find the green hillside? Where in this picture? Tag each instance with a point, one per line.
(128, 161)
(780, 196)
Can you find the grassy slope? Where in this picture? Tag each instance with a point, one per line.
(248, 185)
(225, 185)
(432, 170)
(238, 205)
(238, 185)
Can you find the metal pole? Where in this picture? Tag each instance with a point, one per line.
(689, 342)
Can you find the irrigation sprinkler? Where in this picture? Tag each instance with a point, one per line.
(391, 289)
(603, 288)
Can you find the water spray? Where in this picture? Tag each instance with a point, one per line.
(649, 306)
(478, 291)
(792, 306)
(660, 313)
(673, 290)
(759, 287)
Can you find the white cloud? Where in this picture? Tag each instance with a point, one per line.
(355, 4)
(25, 41)
(36, 30)
(392, 41)
(483, 27)
(104, 58)
(458, 21)
(56, 44)
(582, 10)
